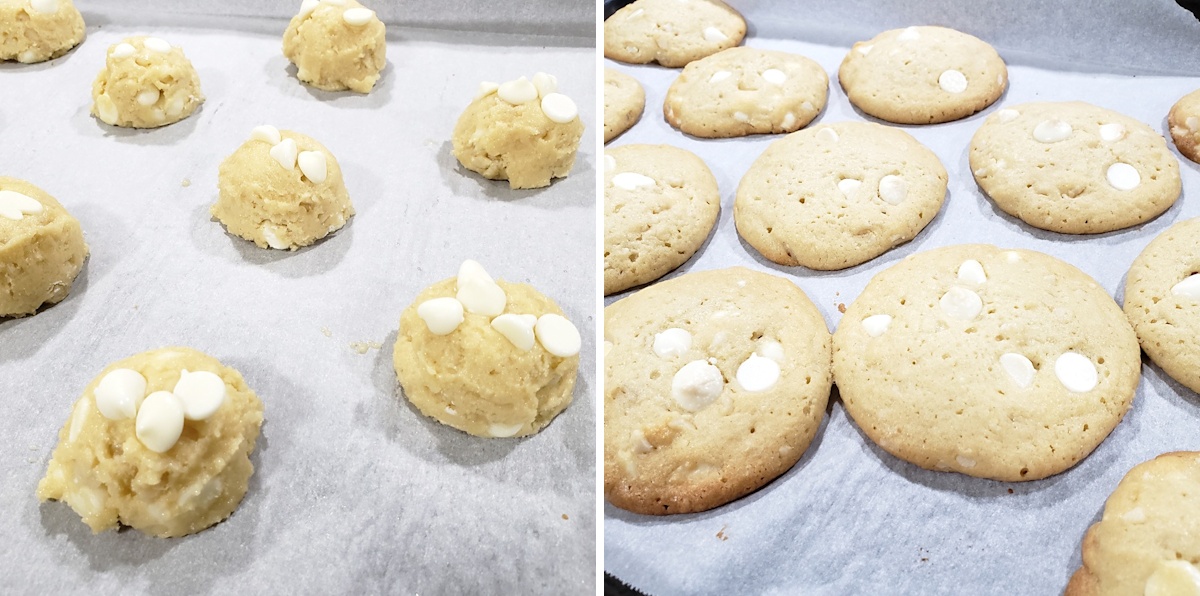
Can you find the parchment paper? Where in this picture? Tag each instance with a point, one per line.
(354, 491)
(849, 518)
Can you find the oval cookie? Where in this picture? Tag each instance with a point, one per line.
(624, 101)
(671, 32)
(1184, 122)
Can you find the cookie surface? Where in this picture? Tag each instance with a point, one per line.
(624, 101)
(1074, 168)
(837, 195)
(1148, 540)
(922, 75)
(660, 203)
(715, 384)
(671, 32)
(1184, 122)
(1002, 364)
(744, 91)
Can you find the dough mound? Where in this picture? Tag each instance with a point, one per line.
(109, 477)
(145, 83)
(38, 30)
(40, 253)
(280, 207)
(336, 45)
(476, 380)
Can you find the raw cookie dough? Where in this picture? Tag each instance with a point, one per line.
(493, 359)
(160, 442)
(1074, 168)
(1002, 364)
(145, 83)
(660, 203)
(281, 190)
(336, 45)
(41, 249)
(624, 100)
(1148, 540)
(522, 131)
(745, 91)
(922, 75)
(1184, 122)
(671, 32)
(834, 196)
(714, 384)
(1162, 301)
(38, 30)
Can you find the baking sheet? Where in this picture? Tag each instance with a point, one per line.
(354, 491)
(849, 518)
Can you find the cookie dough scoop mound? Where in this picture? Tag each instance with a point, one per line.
(38, 30)
(336, 45)
(41, 249)
(490, 358)
(159, 442)
(145, 83)
(281, 190)
(522, 131)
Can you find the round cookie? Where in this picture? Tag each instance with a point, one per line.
(745, 91)
(1002, 364)
(671, 32)
(1184, 122)
(1074, 168)
(493, 359)
(660, 203)
(41, 249)
(922, 75)
(38, 30)
(624, 100)
(145, 83)
(281, 190)
(838, 195)
(336, 45)
(715, 384)
(1148, 540)
(160, 442)
(523, 131)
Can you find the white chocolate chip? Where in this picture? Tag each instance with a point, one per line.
(1123, 176)
(106, 109)
(952, 81)
(1111, 131)
(559, 108)
(672, 342)
(272, 239)
(558, 335)
(119, 394)
(312, 165)
(15, 206)
(876, 325)
(893, 189)
(719, 76)
(608, 346)
(159, 421)
(964, 461)
(741, 116)
(758, 374)
(545, 84)
(266, 133)
(714, 35)
(865, 49)
(308, 6)
(123, 50)
(27, 57)
(481, 297)
(441, 315)
(157, 45)
(631, 180)
(201, 393)
(848, 185)
(1051, 131)
(610, 162)
(284, 153)
(1007, 115)
(517, 92)
(807, 106)
(148, 97)
(771, 349)
(1019, 368)
(1193, 123)
(971, 272)
(1173, 578)
(774, 76)
(486, 88)
(357, 17)
(789, 121)
(909, 34)
(697, 385)
(503, 431)
(1188, 288)
(1136, 515)
(79, 416)
(828, 135)
(961, 303)
(517, 329)
(1012, 256)
(44, 6)
(175, 105)
(1076, 372)
(637, 438)
(635, 14)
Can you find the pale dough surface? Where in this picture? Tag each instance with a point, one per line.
(123, 88)
(40, 254)
(103, 472)
(28, 35)
(333, 55)
(624, 101)
(1184, 123)
(518, 143)
(671, 32)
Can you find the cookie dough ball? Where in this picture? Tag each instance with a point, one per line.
(38, 30)
(522, 131)
(493, 359)
(1148, 539)
(41, 249)
(1184, 122)
(146, 82)
(671, 32)
(160, 442)
(624, 101)
(281, 190)
(336, 45)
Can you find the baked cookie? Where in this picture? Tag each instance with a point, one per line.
(922, 75)
(336, 45)
(493, 359)
(41, 249)
(624, 100)
(714, 384)
(745, 91)
(1184, 122)
(281, 190)
(837, 195)
(523, 131)
(1002, 364)
(38, 30)
(671, 32)
(660, 203)
(1074, 168)
(1148, 541)
(160, 442)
